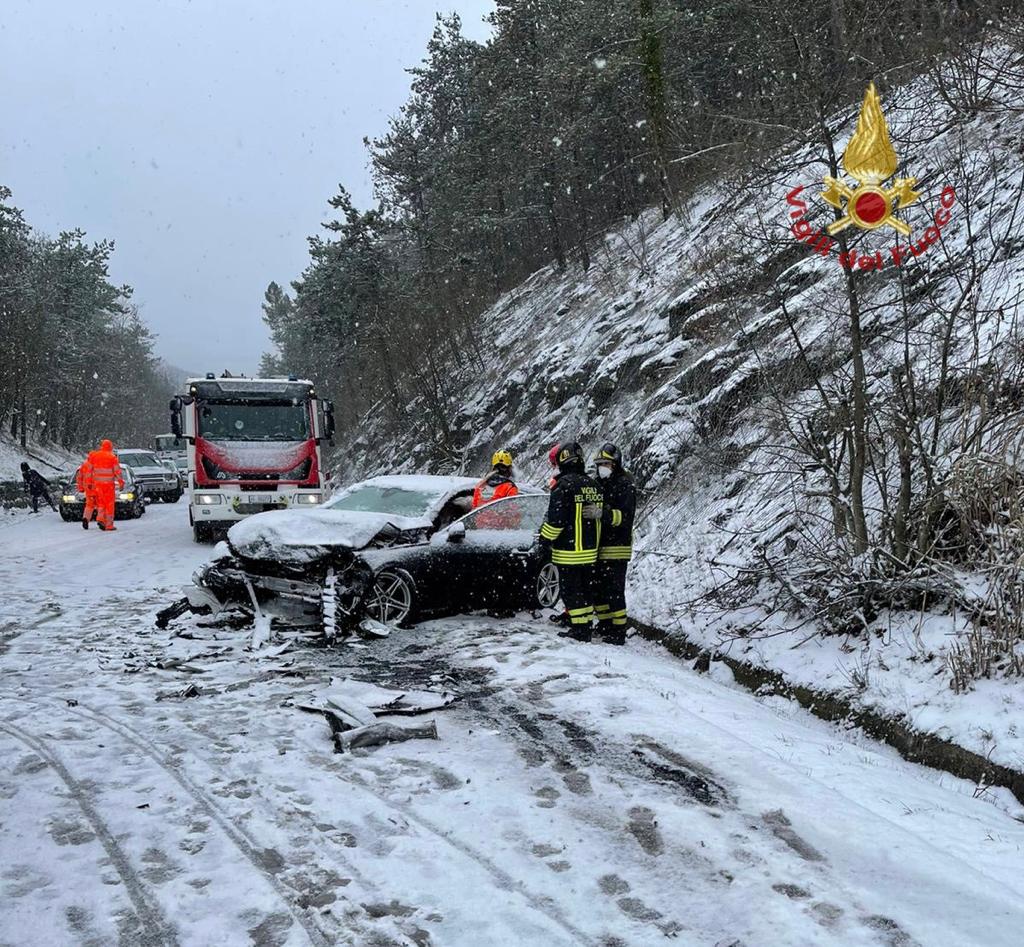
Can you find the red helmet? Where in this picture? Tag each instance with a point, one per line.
(553, 455)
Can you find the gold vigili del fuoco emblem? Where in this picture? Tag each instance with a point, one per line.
(871, 160)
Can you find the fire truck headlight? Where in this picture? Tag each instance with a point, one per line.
(310, 499)
(208, 499)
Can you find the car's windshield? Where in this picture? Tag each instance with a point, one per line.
(374, 498)
(522, 512)
(140, 459)
(265, 421)
(169, 442)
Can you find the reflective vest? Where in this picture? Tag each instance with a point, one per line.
(105, 470)
(83, 479)
(495, 487)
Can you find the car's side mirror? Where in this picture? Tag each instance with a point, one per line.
(176, 428)
(456, 533)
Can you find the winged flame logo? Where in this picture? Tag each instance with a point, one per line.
(870, 159)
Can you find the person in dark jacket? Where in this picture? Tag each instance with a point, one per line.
(572, 528)
(38, 487)
(616, 550)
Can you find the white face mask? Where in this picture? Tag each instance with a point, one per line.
(604, 472)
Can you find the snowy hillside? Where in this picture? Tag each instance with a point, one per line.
(680, 344)
(45, 458)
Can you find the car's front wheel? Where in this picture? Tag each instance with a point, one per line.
(392, 598)
(549, 587)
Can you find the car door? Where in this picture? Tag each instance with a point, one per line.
(492, 557)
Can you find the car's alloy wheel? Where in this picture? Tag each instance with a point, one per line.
(390, 600)
(548, 586)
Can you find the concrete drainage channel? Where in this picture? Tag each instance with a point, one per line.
(912, 745)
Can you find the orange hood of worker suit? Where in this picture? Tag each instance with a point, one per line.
(107, 446)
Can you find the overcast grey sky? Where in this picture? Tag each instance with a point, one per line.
(205, 138)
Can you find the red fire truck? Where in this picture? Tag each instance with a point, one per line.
(253, 445)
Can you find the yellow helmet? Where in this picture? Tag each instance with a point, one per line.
(501, 457)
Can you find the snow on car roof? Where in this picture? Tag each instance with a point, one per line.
(250, 381)
(421, 483)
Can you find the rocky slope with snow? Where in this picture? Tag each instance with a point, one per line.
(679, 345)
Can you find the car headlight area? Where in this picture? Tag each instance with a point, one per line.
(126, 496)
(307, 499)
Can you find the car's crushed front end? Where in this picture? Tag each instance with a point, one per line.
(328, 591)
(304, 569)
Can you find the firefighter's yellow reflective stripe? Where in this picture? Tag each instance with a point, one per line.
(616, 552)
(616, 517)
(601, 609)
(579, 527)
(569, 555)
(621, 613)
(563, 557)
(581, 611)
(550, 532)
(619, 621)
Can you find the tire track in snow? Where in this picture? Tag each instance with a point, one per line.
(239, 837)
(504, 880)
(826, 789)
(156, 930)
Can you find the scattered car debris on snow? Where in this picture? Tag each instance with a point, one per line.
(374, 629)
(274, 651)
(381, 733)
(383, 701)
(189, 690)
(352, 707)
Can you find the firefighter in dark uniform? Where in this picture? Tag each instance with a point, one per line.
(572, 528)
(617, 516)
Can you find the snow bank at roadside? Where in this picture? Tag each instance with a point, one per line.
(47, 459)
(652, 348)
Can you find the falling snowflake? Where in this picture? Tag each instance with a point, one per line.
(600, 63)
(557, 141)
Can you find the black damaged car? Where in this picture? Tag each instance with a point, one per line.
(382, 550)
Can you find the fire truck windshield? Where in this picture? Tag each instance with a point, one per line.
(254, 421)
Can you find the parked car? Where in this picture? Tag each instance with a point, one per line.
(395, 549)
(161, 482)
(129, 503)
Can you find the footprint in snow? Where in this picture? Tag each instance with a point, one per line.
(547, 796)
(889, 932)
(644, 828)
(794, 892)
(612, 884)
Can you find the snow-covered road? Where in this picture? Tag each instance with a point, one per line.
(577, 794)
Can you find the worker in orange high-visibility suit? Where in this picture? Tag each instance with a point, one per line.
(498, 484)
(107, 479)
(84, 485)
